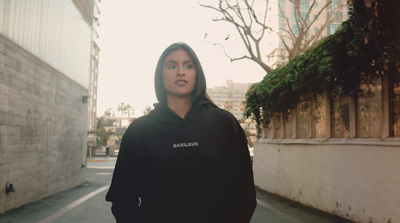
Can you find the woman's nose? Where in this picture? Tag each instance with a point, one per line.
(180, 72)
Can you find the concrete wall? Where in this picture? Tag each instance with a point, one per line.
(42, 128)
(356, 179)
(54, 31)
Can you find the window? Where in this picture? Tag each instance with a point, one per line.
(304, 5)
(281, 28)
(282, 52)
(332, 28)
(303, 16)
(295, 29)
(281, 44)
(339, 17)
(282, 4)
(335, 3)
(315, 29)
(294, 19)
(281, 16)
(111, 122)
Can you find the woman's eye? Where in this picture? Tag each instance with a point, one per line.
(171, 67)
(190, 66)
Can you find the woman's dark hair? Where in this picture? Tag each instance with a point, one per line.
(199, 91)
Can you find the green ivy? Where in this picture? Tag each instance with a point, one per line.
(364, 48)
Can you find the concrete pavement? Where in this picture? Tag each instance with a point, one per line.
(86, 204)
(272, 208)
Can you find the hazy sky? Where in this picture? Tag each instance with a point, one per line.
(133, 34)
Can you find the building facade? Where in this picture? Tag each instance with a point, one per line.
(230, 97)
(44, 64)
(93, 78)
(290, 21)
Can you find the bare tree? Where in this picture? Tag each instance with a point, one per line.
(125, 109)
(299, 37)
(250, 27)
(249, 17)
(147, 110)
(228, 105)
(102, 133)
(109, 112)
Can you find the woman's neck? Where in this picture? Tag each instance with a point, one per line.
(180, 106)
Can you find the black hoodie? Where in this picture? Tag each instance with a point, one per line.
(174, 170)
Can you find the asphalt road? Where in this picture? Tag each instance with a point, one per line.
(86, 204)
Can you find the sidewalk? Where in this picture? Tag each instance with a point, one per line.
(272, 208)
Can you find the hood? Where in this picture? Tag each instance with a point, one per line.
(163, 114)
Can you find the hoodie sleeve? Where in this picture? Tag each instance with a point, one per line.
(121, 193)
(242, 190)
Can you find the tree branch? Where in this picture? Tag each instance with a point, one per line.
(252, 27)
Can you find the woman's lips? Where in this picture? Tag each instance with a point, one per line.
(181, 82)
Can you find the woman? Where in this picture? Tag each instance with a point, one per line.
(187, 161)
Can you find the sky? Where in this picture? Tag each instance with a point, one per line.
(133, 35)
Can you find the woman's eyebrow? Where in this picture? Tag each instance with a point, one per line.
(170, 61)
(174, 61)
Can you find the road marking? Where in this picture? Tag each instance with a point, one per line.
(101, 167)
(288, 217)
(104, 174)
(71, 206)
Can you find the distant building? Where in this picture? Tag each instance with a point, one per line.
(230, 97)
(114, 123)
(44, 63)
(118, 126)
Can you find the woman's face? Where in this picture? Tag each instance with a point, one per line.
(179, 74)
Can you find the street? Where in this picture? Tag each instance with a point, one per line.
(86, 204)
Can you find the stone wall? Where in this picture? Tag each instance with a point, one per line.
(356, 179)
(42, 128)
